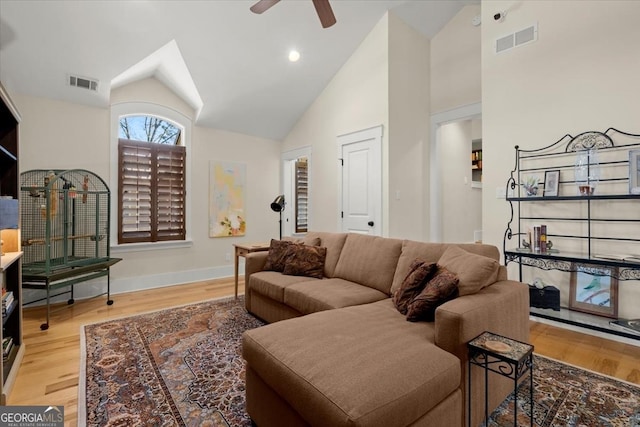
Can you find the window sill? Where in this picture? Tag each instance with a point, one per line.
(141, 247)
(476, 184)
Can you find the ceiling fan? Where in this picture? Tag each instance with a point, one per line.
(323, 8)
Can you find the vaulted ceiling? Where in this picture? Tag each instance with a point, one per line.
(228, 63)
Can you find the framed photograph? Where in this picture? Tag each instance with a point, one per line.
(594, 289)
(634, 171)
(551, 183)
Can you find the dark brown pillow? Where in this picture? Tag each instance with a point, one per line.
(419, 273)
(303, 260)
(440, 289)
(277, 255)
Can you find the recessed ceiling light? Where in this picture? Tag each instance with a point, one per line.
(294, 55)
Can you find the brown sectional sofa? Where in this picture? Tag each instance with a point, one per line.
(337, 352)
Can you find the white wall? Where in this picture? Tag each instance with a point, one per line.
(355, 99)
(581, 75)
(386, 81)
(461, 204)
(455, 62)
(56, 134)
(408, 131)
(60, 135)
(455, 88)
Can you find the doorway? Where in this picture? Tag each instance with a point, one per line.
(296, 188)
(456, 191)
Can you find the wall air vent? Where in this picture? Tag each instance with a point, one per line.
(519, 38)
(83, 82)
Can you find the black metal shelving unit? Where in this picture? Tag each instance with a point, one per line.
(585, 210)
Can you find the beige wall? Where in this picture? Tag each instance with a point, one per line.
(461, 204)
(355, 99)
(455, 62)
(60, 135)
(408, 131)
(581, 75)
(56, 134)
(455, 87)
(384, 82)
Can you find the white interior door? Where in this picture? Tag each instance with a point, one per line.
(361, 183)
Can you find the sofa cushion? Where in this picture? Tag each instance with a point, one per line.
(432, 252)
(419, 273)
(356, 366)
(474, 271)
(305, 240)
(369, 260)
(309, 297)
(440, 288)
(303, 260)
(272, 283)
(334, 243)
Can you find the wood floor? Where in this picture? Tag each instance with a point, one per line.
(49, 372)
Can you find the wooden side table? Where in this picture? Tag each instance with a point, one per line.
(241, 250)
(506, 357)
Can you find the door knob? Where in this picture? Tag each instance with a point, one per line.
(370, 223)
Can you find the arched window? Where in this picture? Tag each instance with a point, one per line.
(151, 180)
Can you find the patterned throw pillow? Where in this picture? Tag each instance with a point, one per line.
(303, 260)
(441, 288)
(277, 255)
(419, 273)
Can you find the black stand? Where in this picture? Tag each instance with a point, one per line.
(280, 225)
(513, 363)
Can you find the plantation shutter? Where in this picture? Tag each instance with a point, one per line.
(302, 196)
(171, 192)
(152, 191)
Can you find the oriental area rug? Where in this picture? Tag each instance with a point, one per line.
(183, 366)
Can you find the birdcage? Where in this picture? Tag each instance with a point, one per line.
(64, 223)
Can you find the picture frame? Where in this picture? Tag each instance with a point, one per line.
(594, 289)
(634, 171)
(551, 183)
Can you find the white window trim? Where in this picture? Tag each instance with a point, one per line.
(180, 120)
(287, 185)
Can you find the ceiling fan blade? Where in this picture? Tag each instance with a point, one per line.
(262, 6)
(325, 13)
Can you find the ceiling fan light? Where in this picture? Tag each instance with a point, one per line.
(294, 55)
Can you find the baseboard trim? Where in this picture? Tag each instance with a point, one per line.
(95, 287)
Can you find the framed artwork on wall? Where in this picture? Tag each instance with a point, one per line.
(594, 290)
(551, 183)
(227, 187)
(634, 171)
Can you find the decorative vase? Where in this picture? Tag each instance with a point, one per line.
(587, 171)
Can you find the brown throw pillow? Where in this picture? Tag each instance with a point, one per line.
(474, 271)
(277, 255)
(440, 289)
(419, 273)
(303, 260)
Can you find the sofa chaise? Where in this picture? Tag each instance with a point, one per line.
(338, 352)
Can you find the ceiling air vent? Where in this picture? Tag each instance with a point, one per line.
(83, 82)
(519, 38)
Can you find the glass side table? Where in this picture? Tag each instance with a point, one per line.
(506, 357)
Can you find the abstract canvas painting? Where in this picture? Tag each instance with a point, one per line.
(227, 199)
